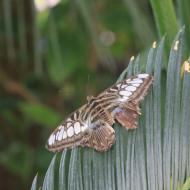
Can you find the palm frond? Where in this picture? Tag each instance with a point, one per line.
(48, 183)
(156, 156)
(34, 183)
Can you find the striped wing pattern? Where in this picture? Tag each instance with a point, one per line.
(91, 125)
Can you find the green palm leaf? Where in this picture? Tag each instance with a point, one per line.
(156, 156)
(34, 183)
(48, 183)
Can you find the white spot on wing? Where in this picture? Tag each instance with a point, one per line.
(51, 139)
(69, 119)
(70, 131)
(77, 127)
(143, 75)
(60, 134)
(124, 85)
(83, 128)
(130, 88)
(69, 124)
(125, 93)
(75, 116)
(118, 85)
(112, 89)
(136, 84)
(136, 80)
(60, 127)
(64, 135)
(57, 134)
(125, 98)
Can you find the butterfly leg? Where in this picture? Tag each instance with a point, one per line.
(127, 114)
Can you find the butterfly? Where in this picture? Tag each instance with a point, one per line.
(91, 124)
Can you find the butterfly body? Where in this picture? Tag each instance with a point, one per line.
(91, 125)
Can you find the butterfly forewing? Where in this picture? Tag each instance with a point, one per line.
(132, 89)
(88, 126)
(125, 107)
(91, 124)
(69, 133)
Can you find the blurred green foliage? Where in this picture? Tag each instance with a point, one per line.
(51, 60)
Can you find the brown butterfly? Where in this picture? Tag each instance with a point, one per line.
(91, 125)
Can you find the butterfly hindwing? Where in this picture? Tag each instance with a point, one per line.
(101, 137)
(127, 115)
